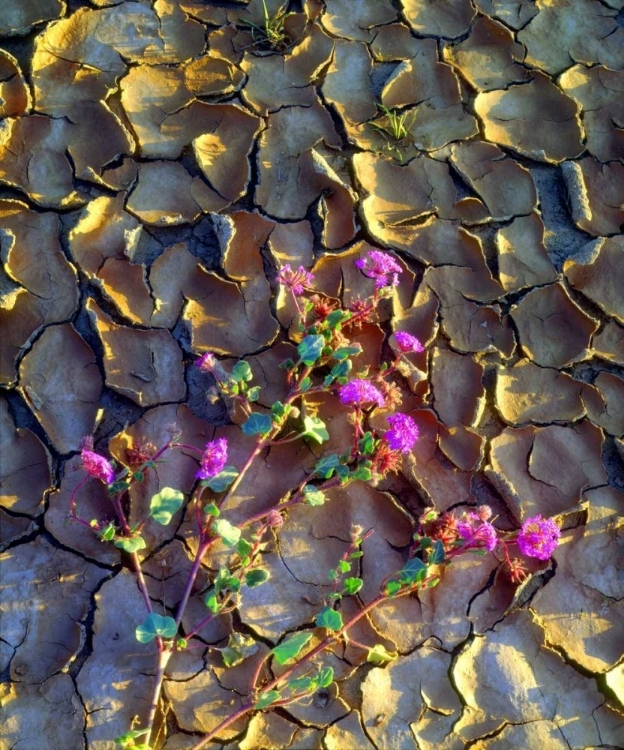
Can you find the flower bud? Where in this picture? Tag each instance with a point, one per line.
(274, 519)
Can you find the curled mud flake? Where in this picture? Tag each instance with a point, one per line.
(351, 94)
(599, 91)
(145, 366)
(505, 187)
(357, 20)
(581, 613)
(166, 195)
(15, 99)
(535, 119)
(513, 13)
(430, 18)
(604, 401)
(394, 42)
(65, 400)
(528, 393)
(457, 388)
(609, 343)
(554, 331)
(414, 697)
(489, 58)
(18, 17)
(512, 677)
(46, 594)
(522, 258)
(582, 31)
(25, 473)
(347, 734)
(600, 275)
(270, 731)
(546, 470)
(595, 192)
(210, 75)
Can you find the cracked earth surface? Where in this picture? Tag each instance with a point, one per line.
(157, 166)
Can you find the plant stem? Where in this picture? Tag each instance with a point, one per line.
(163, 660)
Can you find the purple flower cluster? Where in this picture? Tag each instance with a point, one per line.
(477, 532)
(207, 362)
(538, 537)
(408, 343)
(97, 466)
(213, 459)
(381, 267)
(297, 280)
(360, 392)
(403, 433)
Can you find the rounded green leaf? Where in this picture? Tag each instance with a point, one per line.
(315, 429)
(132, 544)
(257, 424)
(310, 349)
(256, 577)
(266, 699)
(291, 647)
(223, 479)
(229, 534)
(155, 625)
(165, 504)
(329, 619)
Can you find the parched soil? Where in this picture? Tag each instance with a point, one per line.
(159, 162)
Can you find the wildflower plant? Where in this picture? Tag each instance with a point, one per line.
(394, 127)
(323, 364)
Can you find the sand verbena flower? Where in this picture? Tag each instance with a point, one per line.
(408, 343)
(381, 267)
(476, 532)
(297, 280)
(97, 466)
(213, 459)
(359, 392)
(538, 537)
(403, 432)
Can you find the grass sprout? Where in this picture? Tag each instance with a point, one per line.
(273, 32)
(394, 127)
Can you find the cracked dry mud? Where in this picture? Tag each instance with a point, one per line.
(156, 169)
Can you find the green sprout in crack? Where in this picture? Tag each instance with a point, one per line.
(273, 33)
(394, 127)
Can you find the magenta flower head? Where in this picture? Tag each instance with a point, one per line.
(381, 267)
(206, 362)
(361, 392)
(538, 537)
(408, 343)
(97, 466)
(403, 433)
(213, 459)
(297, 280)
(476, 532)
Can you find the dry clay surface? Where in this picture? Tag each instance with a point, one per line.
(158, 164)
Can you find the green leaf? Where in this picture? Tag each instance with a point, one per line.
(239, 648)
(305, 385)
(212, 602)
(414, 570)
(343, 566)
(310, 349)
(312, 496)
(223, 479)
(329, 619)
(343, 473)
(117, 487)
(335, 317)
(241, 371)
(436, 556)
(131, 544)
(362, 472)
(342, 369)
(181, 643)
(165, 504)
(392, 588)
(327, 465)
(155, 625)
(302, 685)
(224, 580)
(278, 410)
(353, 585)
(367, 443)
(107, 534)
(325, 677)
(256, 577)
(229, 534)
(266, 699)
(253, 394)
(211, 510)
(379, 655)
(290, 648)
(257, 424)
(315, 429)
(243, 548)
(344, 352)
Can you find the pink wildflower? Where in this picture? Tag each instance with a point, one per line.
(381, 267)
(404, 433)
(538, 537)
(207, 362)
(408, 343)
(297, 280)
(97, 466)
(360, 392)
(213, 459)
(476, 532)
